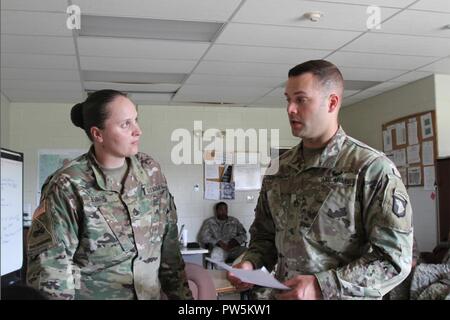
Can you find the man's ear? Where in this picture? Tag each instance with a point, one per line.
(333, 103)
(96, 134)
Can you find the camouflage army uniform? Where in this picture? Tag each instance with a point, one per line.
(89, 240)
(343, 216)
(213, 230)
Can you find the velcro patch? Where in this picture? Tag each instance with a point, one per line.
(39, 210)
(399, 205)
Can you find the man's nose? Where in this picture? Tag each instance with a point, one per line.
(137, 130)
(291, 108)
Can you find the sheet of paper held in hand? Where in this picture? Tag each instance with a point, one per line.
(260, 277)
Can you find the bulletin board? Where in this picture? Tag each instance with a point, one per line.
(410, 142)
(226, 173)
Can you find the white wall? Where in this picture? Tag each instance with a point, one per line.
(46, 126)
(4, 107)
(442, 87)
(363, 120)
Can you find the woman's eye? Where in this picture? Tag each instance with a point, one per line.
(125, 124)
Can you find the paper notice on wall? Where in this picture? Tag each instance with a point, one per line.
(429, 178)
(387, 140)
(412, 132)
(402, 171)
(414, 176)
(400, 157)
(247, 177)
(413, 153)
(427, 153)
(211, 171)
(400, 133)
(427, 125)
(212, 190)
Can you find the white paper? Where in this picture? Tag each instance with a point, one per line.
(211, 171)
(413, 154)
(246, 158)
(427, 126)
(412, 132)
(212, 190)
(247, 177)
(219, 157)
(402, 172)
(427, 153)
(387, 140)
(400, 133)
(259, 277)
(414, 176)
(400, 157)
(428, 178)
(228, 158)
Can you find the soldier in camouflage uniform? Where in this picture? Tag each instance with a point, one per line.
(106, 227)
(223, 235)
(336, 218)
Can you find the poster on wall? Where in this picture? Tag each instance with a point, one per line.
(50, 160)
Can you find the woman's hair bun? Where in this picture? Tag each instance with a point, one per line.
(76, 115)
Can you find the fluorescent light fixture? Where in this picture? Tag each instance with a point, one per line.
(123, 27)
(133, 77)
(131, 87)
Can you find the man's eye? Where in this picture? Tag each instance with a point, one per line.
(302, 100)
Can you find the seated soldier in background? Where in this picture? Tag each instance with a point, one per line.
(224, 236)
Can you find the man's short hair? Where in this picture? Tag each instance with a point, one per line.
(218, 204)
(327, 73)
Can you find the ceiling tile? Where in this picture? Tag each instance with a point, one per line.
(219, 94)
(400, 44)
(199, 10)
(411, 76)
(380, 3)
(52, 96)
(41, 5)
(369, 74)
(230, 80)
(40, 74)
(442, 67)
(243, 69)
(151, 97)
(140, 48)
(373, 60)
(157, 88)
(38, 61)
(425, 24)
(434, 5)
(38, 85)
(34, 23)
(291, 13)
(220, 52)
(37, 44)
(136, 65)
(284, 37)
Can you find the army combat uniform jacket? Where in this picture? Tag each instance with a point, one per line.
(214, 230)
(343, 215)
(91, 240)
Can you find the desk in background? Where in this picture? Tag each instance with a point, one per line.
(193, 255)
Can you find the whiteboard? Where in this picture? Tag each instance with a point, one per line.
(11, 211)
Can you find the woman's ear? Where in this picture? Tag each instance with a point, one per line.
(96, 134)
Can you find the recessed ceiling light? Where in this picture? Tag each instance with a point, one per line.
(314, 16)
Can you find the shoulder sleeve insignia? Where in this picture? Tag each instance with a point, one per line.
(399, 205)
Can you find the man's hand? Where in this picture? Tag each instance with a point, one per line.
(303, 288)
(237, 283)
(223, 245)
(232, 243)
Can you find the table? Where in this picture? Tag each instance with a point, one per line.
(193, 255)
(221, 282)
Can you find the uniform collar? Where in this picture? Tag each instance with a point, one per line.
(327, 158)
(135, 173)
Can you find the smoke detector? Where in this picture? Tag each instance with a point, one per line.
(314, 16)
